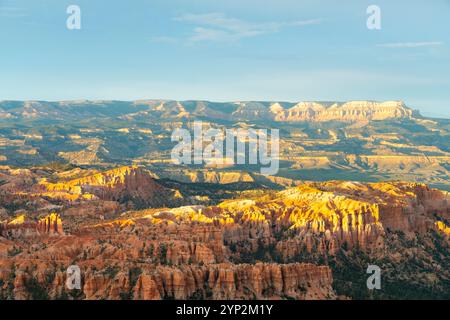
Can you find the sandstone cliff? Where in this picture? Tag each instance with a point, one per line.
(23, 226)
(349, 111)
(123, 184)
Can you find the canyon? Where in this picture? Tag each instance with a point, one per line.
(295, 243)
(92, 184)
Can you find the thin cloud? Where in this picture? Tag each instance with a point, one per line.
(12, 12)
(165, 39)
(218, 27)
(411, 44)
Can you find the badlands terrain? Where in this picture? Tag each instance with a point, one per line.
(90, 183)
(357, 140)
(311, 241)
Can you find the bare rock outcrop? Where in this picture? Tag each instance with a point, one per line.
(51, 224)
(349, 111)
(122, 184)
(23, 226)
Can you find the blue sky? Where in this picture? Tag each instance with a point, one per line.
(283, 50)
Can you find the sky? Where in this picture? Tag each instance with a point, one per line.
(273, 50)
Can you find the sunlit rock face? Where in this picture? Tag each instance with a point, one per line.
(51, 224)
(325, 216)
(121, 184)
(349, 111)
(23, 226)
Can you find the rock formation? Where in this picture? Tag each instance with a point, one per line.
(23, 226)
(51, 224)
(123, 184)
(350, 111)
(286, 246)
